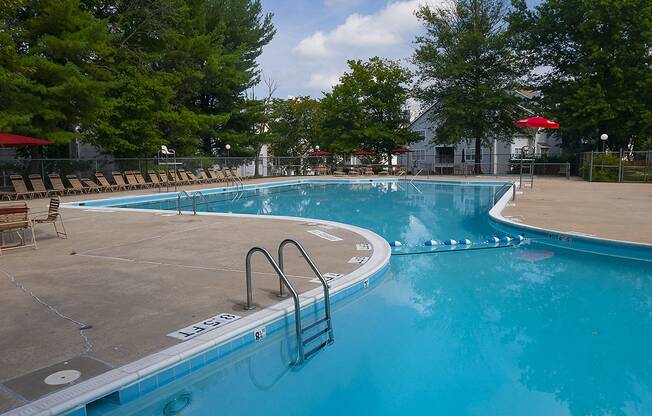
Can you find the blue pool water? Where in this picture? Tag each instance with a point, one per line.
(527, 330)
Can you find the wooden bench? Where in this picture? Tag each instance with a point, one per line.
(14, 219)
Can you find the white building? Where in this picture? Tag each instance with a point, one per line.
(460, 158)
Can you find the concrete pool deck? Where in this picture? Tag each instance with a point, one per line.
(136, 277)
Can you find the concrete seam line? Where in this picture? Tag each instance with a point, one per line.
(184, 266)
(81, 326)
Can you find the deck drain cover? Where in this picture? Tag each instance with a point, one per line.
(62, 377)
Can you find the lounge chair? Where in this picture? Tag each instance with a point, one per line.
(203, 177)
(354, 172)
(119, 179)
(214, 175)
(176, 180)
(57, 184)
(131, 179)
(104, 183)
(141, 180)
(14, 219)
(236, 175)
(77, 186)
(183, 175)
(339, 172)
(153, 178)
(228, 176)
(53, 216)
(20, 189)
(90, 185)
(194, 179)
(368, 170)
(164, 180)
(39, 186)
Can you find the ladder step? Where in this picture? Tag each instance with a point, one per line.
(314, 324)
(315, 336)
(316, 349)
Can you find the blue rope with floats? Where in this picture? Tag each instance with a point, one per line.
(464, 244)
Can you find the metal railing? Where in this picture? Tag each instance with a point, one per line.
(192, 197)
(283, 281)
(267, 166)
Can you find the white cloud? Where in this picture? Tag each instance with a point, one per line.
(323, 82)
(313, 46)
(387, 27)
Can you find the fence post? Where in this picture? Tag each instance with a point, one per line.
(620, 166)
(568, 168)
(591, 167)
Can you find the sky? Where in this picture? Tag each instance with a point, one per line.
(315, 38)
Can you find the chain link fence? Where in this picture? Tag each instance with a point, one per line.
(265, 167)
(617, 166)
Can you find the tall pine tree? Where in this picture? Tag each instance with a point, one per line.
(468, 71)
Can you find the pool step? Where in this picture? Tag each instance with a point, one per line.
(315, 350)
(314, 324)
(315, 336)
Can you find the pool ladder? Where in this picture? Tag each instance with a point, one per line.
(318, 328)
(192, 197)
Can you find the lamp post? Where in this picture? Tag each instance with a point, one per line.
(604, 137)
(227, 147)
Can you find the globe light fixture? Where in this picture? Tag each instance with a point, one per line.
(604, 137)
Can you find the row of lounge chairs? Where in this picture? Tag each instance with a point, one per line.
(122, 181)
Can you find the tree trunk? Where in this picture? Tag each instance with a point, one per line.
(256, 161)
(478, 156)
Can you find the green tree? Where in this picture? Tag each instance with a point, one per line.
(368, 108)
(598, 67)
(294, 125)
(184, 67)
(468, 71)
(54, 60)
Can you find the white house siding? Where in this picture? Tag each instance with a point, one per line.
(437, 158)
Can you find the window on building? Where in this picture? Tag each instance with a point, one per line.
(469, 155)
(420, 154)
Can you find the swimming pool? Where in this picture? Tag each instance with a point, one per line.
(533, 329)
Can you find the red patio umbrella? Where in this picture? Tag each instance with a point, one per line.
(537, 122)
(319, 153)
(14, 140)
(361, 153)
(402, 149)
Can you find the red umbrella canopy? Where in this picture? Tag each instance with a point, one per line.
(319, 153)
(14, 140)
(361, 153)
(537, 122)
(402, 149)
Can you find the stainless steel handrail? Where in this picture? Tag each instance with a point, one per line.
(315, 269)
(295, 296)
(194, 200)
(179, 195)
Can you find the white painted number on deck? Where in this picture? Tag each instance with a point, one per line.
(363, 247)
(324, 235)
(358, 260)
(206, 325)
(328, 276)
